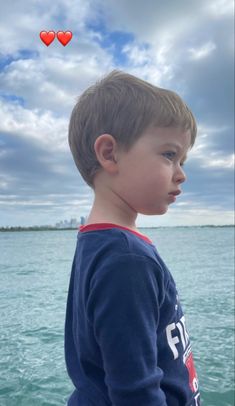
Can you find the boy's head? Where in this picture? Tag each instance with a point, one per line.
(123, 106)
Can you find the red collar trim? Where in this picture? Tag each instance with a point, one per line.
(105, 226)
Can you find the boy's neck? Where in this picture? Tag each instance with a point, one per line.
(112, 209)
(96, 220)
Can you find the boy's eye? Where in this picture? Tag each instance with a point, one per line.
(170, 155)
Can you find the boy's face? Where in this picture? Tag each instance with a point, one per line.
(151, 170)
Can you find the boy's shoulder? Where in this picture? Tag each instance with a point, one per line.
(108, 243)
(114, 239)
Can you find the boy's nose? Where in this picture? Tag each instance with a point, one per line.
(180, 176)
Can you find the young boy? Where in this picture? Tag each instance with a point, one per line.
(126, 343)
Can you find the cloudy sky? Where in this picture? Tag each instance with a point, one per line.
(183, 45)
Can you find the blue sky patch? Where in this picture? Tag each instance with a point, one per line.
(13, 99)
(6, 60)
(114, 40)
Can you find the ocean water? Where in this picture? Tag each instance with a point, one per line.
(34, 276)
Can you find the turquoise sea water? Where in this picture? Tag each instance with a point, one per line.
(34, 276)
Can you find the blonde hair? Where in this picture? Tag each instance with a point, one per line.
(124, 106)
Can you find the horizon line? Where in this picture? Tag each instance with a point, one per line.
(48, 227)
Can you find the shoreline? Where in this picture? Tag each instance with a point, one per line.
(48, 228)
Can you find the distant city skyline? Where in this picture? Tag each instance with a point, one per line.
(72, 223)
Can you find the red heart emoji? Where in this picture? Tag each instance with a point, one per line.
(47, 37)
(64, 37)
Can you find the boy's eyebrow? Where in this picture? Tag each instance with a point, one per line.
(171, 144)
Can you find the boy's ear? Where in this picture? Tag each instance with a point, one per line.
(105, 147)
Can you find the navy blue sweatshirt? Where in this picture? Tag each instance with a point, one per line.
(126, 343)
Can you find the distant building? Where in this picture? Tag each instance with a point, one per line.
(82, 220)
(73, 223)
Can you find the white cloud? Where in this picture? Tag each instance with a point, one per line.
(136, 54)
(30, 203)
(3, 184)
(52, 82)
(188, 203)
(202, 51)
(151, 63)
(206, 153)
(220, 8)
(150, 20)
(225, 162)
(22, 20)
(42, 127)
(188, 217)
(206, 216)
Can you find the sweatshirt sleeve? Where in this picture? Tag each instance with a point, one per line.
(123, 309)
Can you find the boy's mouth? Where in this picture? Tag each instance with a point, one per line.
(175, 193)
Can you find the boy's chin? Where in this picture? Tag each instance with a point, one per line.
(159, 211)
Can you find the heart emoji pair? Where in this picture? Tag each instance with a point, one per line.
(63, 37)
